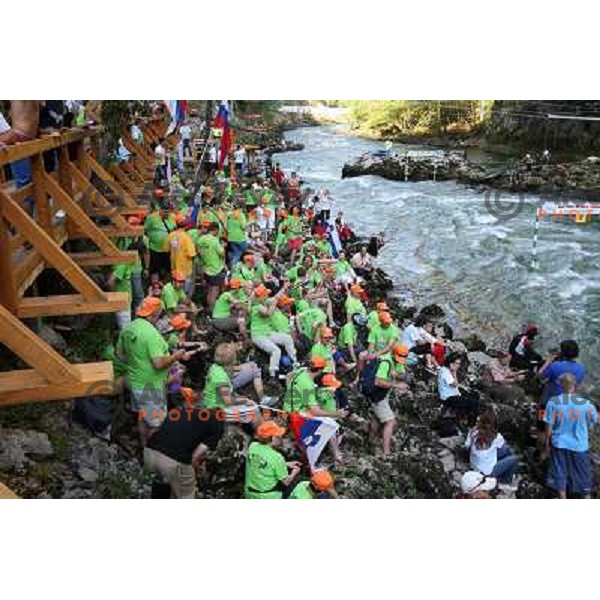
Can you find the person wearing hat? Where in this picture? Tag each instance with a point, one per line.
(353, 303)
(325, 347)
(231, 308)
(476, 486)
(348, 344)
(383, 335)
(389, 375)
(157, 227)
(373, 316)
(146, 353)
(332, 403)
(178, 450)
(182, 252)
(212, 261)
(282, 315)
(245, 268)
(139, 245)
(174, 298)
(179, 326)
(308, 322)
(268, 474)
(319, 487)
(262, 332)
(523, 356)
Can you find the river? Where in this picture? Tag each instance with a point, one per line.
(444, 247)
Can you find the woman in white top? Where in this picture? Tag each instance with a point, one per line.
(464, 403)
(490, 454)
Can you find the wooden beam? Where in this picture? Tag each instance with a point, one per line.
(125, 182)
(74, 304)
(114, 232)
(9, 154)
(8, 291)
(7, 494)
(42, 203)
(137, 150)
(93, 259)
(104, 175)
(33, 350)
(49, 249)
(79, 215)
(20, 387)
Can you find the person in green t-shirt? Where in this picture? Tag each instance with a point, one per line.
(237, 223)
(231, 309)
(353, 302)
(267, 474)
(119, 280)
(157, 226)
(176, 301)
(320, 486)
(263, 334)
(281, 238)
(212, 257)
(309, 321)
(280, 318)
(344, 273)
(245, 268)
(389, 375)
(145, 352)
(383, 335)
(324, 347)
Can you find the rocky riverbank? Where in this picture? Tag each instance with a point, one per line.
(522, 175)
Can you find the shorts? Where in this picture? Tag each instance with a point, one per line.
(225, 323)
(181, 477)
(570, 470)
(215, 279)
(295, 244)
(150, 404)
(382, 411)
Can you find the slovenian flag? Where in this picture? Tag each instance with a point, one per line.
(177, 109)
(223, 121)
(312, 434)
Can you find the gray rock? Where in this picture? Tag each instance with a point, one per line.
(447, 459)
(53, 338)
(18, 447)
(88, 475)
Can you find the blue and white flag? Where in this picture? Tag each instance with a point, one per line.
(334, 238)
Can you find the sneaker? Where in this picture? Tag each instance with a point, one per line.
(513, 486)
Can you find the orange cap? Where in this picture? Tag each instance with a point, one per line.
(327, 333)
(204, 223)
(180, 219)
(235, 284)
(189, 395)
(285, 301)
(331, 381)
(385, 318)
(356, 289)
(400, 351)
(149, 306)
(179, 322)
(318, 361)
(177, 276)
(159, 193)
(269, 429)
(322, 481)
(261, 291)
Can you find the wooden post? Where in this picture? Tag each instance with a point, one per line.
(42, 202)
(8, 291)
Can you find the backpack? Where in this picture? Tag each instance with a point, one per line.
(366, 383)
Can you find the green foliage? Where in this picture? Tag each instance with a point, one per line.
(117, 114)
(416, 117)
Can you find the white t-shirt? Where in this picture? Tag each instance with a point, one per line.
(4, 126)
(212, 155)
(239, 156)
(159, 156)
(411, 335)
(446, 386)
(483, 459)
(186, 132)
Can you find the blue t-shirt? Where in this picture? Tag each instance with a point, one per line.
(571, 418)
(558, 368)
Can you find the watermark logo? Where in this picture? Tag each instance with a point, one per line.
(503, 210)
(104, 199)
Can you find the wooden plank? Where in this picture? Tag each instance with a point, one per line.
(20, 387)
(125, 181)
(92, 259)
(42, 203)
(75, 304)
(7, 494)
(101, 172)
(9, 154)
(49, 249)
(33, 350)
(133, 174)
(114, 232)
(133, 147)
(79, 215)
(8, 291)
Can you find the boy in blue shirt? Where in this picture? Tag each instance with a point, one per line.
(568, 420)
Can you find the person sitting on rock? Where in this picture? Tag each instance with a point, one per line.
(344, 273)
(263, 334)
(178, 449)
(389, 375)
(319, 487)
(557, 364)
(523, 357)
(418, 336)
(500, 381)
(490, 454)
(373, 316)
(464, 403)
(231, 309)
(362, 263)
(353, 303)
(348, 344)
(267, 472)
(569, 419)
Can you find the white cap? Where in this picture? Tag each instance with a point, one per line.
(473, 481)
